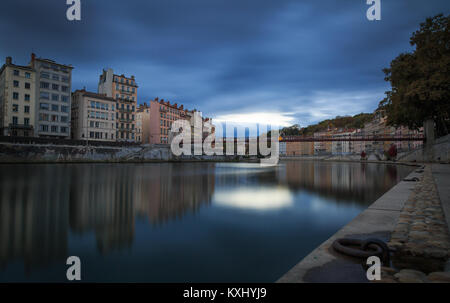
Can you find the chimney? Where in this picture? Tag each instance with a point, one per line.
(8, 60)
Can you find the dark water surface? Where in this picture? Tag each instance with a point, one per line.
(177, 222)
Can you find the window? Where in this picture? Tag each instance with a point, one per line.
(55, 107)
(16, 72)
(55, 67)
(64, 79)
(64, 88)
(26, 121)
(55, 86)
(43, 117)
(15, 120)
(16, 83)
(27, 85)
(55, 97)
(45, 95)
(64, 129)
(54, 129)
(45, 85)
(55, 77)
(45, 75)
(44, 106)
(64, 119)
(15, 108)
(27, 75)
(64, 98)
(27, 97)
(64, 109)
(54, 118)
(26, 109)
(16, 96)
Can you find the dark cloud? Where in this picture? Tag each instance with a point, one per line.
(306, 59)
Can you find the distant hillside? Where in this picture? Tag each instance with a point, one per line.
(346, 122)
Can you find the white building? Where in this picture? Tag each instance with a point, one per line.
(53, 97)
(93, 116)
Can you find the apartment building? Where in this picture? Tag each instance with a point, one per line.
(124, 90)
(17, 100)
(93, 116)
(143, 124)
(162, 116)
(53, 97)
(342, 147)
(299, 148)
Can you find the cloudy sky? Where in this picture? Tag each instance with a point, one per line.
(284, 61)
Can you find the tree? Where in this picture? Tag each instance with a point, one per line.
(420, 80)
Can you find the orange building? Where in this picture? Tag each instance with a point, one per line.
(162, 115)
(299, 148)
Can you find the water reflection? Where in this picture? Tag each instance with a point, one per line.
(43, 207)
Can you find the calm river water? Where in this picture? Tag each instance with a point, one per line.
(177, 222)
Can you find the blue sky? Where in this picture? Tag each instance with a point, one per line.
(243, 61)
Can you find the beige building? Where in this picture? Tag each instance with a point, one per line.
(143, 124)
(17, 100)
(93, 116)
(124, 90)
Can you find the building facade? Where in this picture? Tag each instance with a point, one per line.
(143, 124)
(53, 98)
(162, 116)
(93, 116)
(299, 148)
(17, 100)
(124, 90)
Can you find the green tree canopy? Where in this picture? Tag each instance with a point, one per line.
(420, 80)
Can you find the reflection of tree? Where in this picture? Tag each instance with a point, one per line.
(33, 215)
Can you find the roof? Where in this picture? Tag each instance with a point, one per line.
(94, 95)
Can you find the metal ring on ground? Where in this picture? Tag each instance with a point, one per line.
(343, 246)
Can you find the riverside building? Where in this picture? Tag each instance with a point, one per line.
(124, 90)
(17, 100)
(93, 116)
(53, 98)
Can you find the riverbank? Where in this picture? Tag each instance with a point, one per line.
(411, 210)
(49, 153)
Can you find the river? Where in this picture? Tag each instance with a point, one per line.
(177, 222)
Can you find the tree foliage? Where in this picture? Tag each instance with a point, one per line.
(420, 80)
(347, 122)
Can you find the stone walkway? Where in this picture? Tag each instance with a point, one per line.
(421, 237)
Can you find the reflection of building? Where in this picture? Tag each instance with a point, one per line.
(124, 91)
(17, 100)
(53, 88)
(174, 189)
(359, 181)
(34, 216)
(93, 116)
